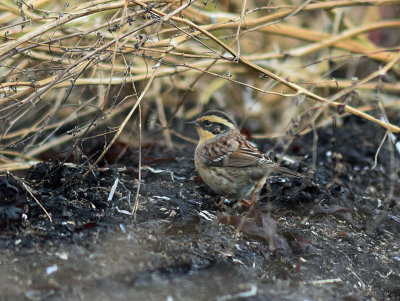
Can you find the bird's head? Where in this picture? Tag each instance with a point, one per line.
(213, 123)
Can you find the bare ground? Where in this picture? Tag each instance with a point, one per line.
(332, 235)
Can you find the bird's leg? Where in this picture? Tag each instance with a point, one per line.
(246, 203)
(256, 193)
(221, 202)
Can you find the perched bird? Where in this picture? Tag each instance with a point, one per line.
(230, 165)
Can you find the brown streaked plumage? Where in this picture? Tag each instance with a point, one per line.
(227, 162)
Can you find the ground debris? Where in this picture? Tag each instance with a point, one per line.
(331, 235)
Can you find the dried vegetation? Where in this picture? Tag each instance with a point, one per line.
(67, 68)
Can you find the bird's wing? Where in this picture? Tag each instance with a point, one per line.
(232, 152)
(245, 157)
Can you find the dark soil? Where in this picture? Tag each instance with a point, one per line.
(332, 235)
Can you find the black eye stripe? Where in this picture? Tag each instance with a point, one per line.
(214, 127)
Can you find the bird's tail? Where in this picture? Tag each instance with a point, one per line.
(288, 172)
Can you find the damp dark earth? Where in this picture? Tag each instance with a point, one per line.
(332, 235)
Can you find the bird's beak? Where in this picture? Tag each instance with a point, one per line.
(192, 123)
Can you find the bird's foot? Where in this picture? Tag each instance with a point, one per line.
(246, 203)
(221, 203)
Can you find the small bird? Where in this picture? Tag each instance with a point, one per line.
(229, 164)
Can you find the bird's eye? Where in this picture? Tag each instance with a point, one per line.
(207, 122)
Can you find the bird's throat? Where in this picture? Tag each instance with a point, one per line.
(205, 135)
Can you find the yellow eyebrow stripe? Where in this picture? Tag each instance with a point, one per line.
(217, 119)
